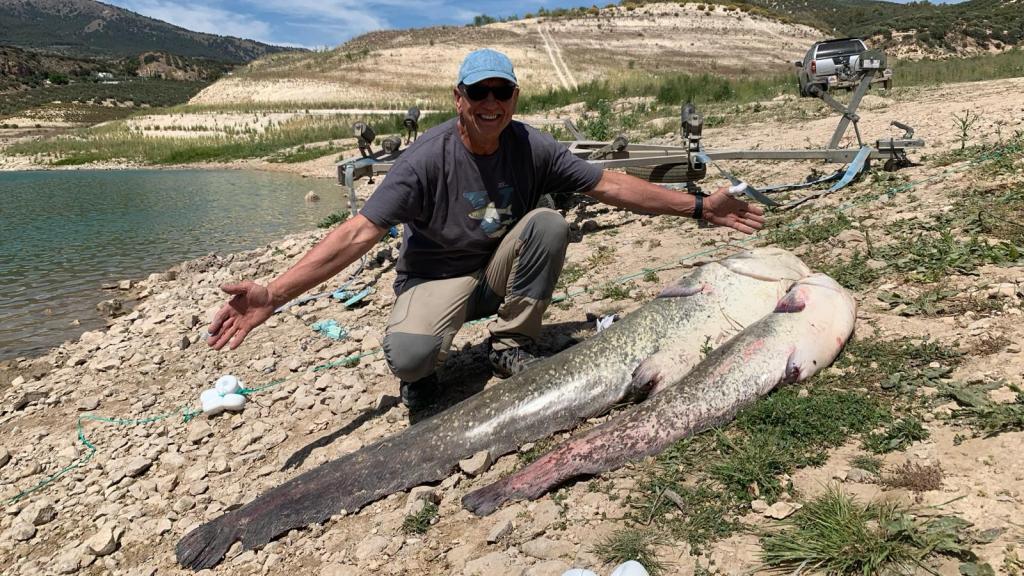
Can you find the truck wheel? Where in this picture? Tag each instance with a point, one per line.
(887, 84)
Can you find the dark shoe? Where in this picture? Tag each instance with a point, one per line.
(510, 361)
(419, 394)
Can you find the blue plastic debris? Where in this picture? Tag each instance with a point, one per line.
(330, 328)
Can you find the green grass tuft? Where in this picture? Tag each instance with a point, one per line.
(835, 534)
(632, 544)
(333, 219)
(897, 436)
(420, 522)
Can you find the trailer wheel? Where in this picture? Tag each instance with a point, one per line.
(887, 84)
(665, 173)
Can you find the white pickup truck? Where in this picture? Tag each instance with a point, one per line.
(831, 64)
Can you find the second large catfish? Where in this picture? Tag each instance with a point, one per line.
(715, 302)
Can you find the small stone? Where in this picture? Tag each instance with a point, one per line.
(22, 531)
(194, 473)
(425, 493)
(758, 506)
(782, 510)
(476, 464)
(548, 549)
(219, 465)
(493, 563)
(859, 475)
(124, 285)
(198, 432)
(303, 401)
(102, 543)
(184, 504)
(68, 562)
(165, 484)
(5, 457)
(265, 365)
(370, 547)
(88, 403)
(38, 513)
(137, 466)
(500, 530)
(184, 343)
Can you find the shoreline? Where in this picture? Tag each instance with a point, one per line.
(312, 169)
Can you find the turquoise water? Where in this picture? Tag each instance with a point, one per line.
(65, 234)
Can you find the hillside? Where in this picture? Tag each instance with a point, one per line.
(963, 28)
(88, 28)
(618, 44)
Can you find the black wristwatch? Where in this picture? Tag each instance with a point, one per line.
(698, 206)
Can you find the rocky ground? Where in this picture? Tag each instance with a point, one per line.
(154, 477)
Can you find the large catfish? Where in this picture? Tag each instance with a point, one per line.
(809, 327)
(708, 306)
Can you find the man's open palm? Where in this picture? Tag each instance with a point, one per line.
(250, 306)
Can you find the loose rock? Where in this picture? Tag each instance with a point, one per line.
(500, 530)
(782, 510)
(102, 543)
(476, 464)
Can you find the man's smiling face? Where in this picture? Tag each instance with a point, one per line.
(483, 120)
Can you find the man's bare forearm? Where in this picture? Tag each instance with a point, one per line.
(638, 195)
(333, 254)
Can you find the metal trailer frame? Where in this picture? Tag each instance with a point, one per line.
(621, 154)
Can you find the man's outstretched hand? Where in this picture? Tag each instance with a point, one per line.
(250, 305)
(722, 209)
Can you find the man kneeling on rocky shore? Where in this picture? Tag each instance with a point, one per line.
(475, 243)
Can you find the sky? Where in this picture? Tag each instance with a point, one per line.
(323, 23)
(327, 23)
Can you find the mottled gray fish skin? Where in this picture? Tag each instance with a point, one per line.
(805, 334)
(715, 301)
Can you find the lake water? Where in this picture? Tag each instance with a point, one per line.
(64, 234)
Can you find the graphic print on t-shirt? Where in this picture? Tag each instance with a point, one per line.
(495, 216)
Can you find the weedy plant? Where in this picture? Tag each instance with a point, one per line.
(420, 522)
(616, 291)
(915, 477)
(809, 232)
(983, 414)
(570, 274)
(897, 436)
(632, 544)
(964, 123)
(835, 534)
(867, 462)
(333, 219)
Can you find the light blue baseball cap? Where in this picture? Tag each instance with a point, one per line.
(486, 63)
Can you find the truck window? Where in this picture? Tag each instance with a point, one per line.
(842, 47)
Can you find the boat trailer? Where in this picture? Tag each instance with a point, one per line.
(684, 166)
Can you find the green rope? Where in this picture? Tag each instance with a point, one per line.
(353, 359)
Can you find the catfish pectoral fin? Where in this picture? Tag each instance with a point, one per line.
(206, 545)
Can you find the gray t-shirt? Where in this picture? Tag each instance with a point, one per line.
(457, 206)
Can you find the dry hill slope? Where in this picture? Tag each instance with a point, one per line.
(398, 67)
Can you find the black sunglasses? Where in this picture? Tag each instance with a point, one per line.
(478, 92)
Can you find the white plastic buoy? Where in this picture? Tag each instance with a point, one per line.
(630, 568)
(223, 396)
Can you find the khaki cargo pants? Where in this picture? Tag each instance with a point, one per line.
(516, 284)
